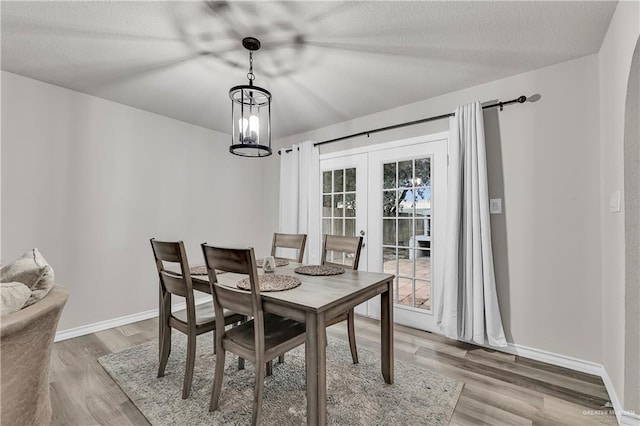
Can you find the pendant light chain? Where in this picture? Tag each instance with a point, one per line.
(250, 74)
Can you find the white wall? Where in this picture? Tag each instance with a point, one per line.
(632, 237)
(89, 181)
(544, 162)
(615, 63)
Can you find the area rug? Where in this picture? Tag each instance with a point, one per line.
(356, 394)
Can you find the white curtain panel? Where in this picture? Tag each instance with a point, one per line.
(299, 179)
(468, 308)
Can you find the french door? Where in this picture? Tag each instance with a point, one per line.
(397, 203)
(344, 212)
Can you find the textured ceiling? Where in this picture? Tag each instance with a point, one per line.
(324, 62)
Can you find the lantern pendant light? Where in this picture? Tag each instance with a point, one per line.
(250, 113)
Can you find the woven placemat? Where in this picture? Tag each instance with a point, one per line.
(319, 270)
(200, 270)
(279, 262)
(271, 282)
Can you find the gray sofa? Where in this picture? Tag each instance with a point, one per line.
(25, 351)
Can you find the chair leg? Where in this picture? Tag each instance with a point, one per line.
(351, 328)
(188, 371)
(166, 349)
(257, 393)
(240, 359)
(269, 367)
(217, 381)
(281, 359)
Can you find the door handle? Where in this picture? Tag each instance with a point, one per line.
(362, 232)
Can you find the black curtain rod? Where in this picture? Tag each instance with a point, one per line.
(518, 100)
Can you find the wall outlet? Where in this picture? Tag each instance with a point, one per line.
(495, 205)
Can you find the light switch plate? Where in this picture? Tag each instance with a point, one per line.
(495, 205)
(614, 202)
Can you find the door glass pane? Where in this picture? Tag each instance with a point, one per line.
(350, 179)
(423, 172)
(350, 205)
(339, 207)
(405, 232)
(326, 182)
(407, 239)
(338, 181)
(389, 203)
(423, 264)
(326, 206)
(337, 227)
(389, 261)
(338, 204)
(405, 174)
(389, 176)
(423, 295)
(389, 232)
(404, 266)
(405, 291)
(405, 202)
(350, 227)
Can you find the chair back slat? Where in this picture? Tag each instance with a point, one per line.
(290, 241)
(177, 283)
(166, 251)
(241, 261)
(230, 260)
(174, 284)
(350, 246)
(235, 300)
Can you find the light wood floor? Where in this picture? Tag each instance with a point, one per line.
(499, 389)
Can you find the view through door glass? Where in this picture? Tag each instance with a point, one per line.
(339, 207)
(406, 228)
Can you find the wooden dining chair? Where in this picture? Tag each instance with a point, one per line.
(258, 340)
(290, 241)
(194, 320)
(348, 249)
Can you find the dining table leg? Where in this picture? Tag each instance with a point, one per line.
(316, 364)
(386, 332)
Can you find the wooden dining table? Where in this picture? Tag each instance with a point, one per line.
(316, 300)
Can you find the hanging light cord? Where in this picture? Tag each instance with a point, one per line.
(250, 74)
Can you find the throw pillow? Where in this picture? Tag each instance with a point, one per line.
(31, 270)
(13, 296)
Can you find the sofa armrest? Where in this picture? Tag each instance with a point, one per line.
(16, 321)
(25, 353)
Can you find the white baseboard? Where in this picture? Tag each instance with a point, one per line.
(569, 362)
(117, 322)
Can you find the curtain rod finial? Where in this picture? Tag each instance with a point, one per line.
(522, 99)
